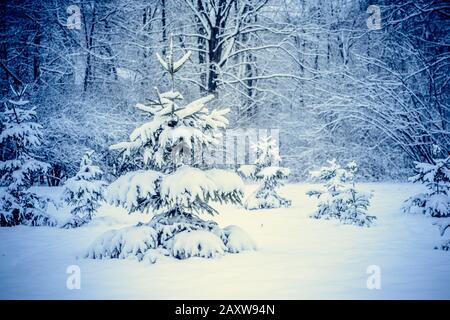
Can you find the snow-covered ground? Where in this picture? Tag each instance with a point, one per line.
(297, 258)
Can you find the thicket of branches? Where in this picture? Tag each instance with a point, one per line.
(312, 68)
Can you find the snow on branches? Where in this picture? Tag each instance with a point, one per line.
(172, 125)
(435, 202)
(341, 200)
(21, 135)
(135, 191)
(84, 192)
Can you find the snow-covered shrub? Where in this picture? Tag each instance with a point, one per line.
(443, 226)
(237, 240)
(168, 184)
(198, 243)
(128, 242)
(341, 200)
(167, 226)
(436, 201)
(84, 192)
(266, 196)
(21, 135)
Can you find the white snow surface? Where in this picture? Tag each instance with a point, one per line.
(297, 257)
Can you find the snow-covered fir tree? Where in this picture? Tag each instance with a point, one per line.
(84, 192)
(435, 202)
(272, 176)
(169, 185)
(21, 135)
(341, 200)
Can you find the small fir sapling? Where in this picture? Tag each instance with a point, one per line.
(84, 192)
(270, 175)
(341, 200)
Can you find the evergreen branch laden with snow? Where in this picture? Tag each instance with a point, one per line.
(435, 202)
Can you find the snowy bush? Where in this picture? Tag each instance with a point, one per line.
(341, 200)
(443, 226)
(167, 226)
(266, 196)
(22, 135)
(197, 243)
(436, 201)
(84, 192)
(180, 236)
(129, 242)
(169, 184)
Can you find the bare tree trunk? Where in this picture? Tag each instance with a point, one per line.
(164, 26)
(89, 37)
(36, 51)
(201, 43)
(3, 47)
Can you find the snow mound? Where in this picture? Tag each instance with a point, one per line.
(197, 243)
(123, 243)
(237, 240)
(179, 236)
